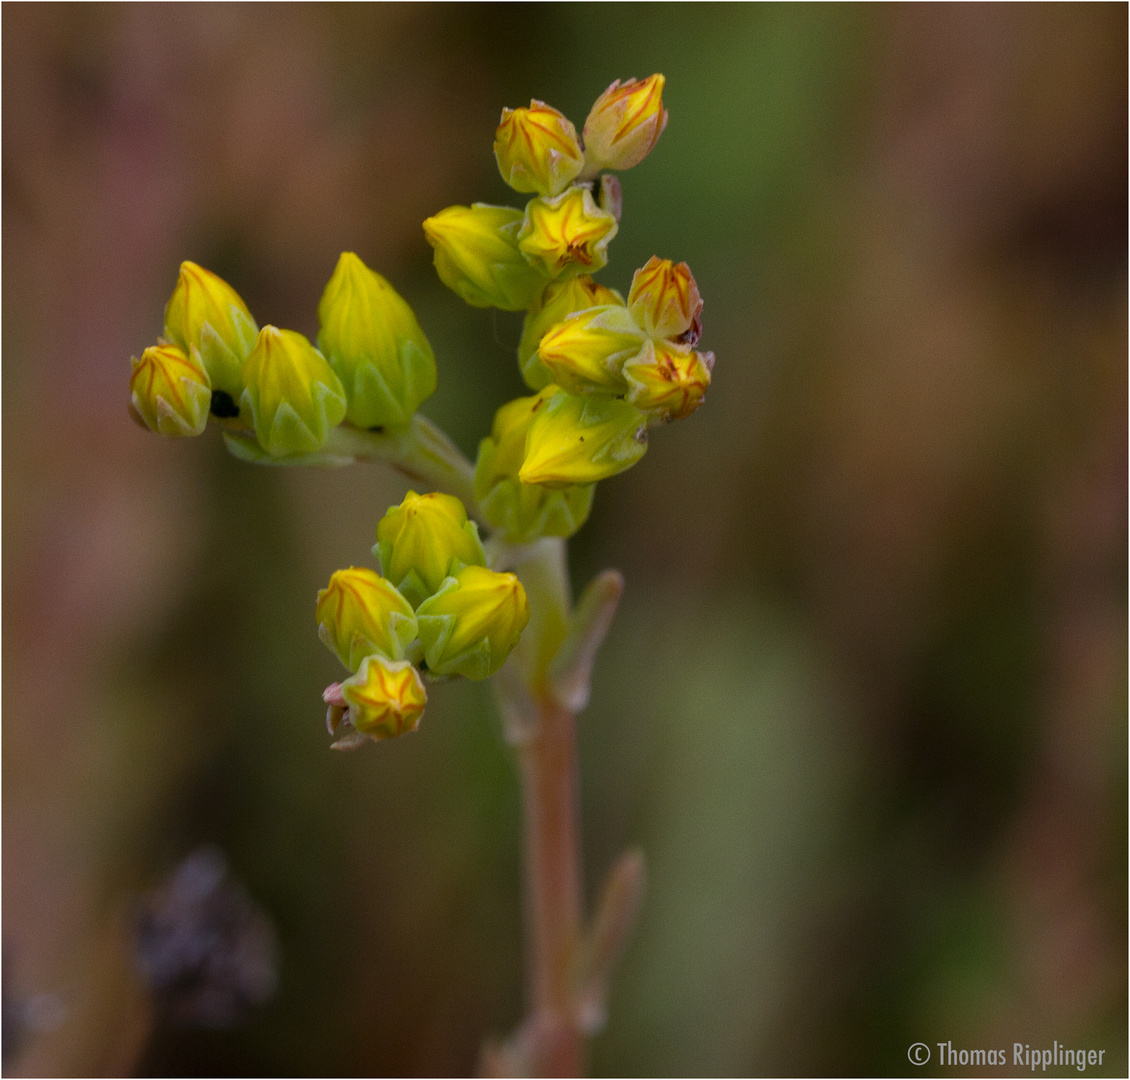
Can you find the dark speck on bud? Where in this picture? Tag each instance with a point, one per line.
(692, 334)
(223, 405)
(378, 428)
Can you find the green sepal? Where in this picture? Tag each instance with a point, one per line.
(472, 622)
(248, 449)
(436, 631)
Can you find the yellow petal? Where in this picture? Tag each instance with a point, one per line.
(359, 613)
(385, 698)
(568, 232)
(291, 393)
(419, 541)
(624, 124)
(373, 342)
(574, 440)
(477, 256)
(537, 149)
(170, 391)
(207, 319)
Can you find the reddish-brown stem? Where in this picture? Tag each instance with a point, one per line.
(553, 891)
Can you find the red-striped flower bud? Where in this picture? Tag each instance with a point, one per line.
(537, 149)
(624, 124)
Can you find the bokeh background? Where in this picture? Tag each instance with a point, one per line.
(864, 706)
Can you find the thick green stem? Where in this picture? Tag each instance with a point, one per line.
(420, 450)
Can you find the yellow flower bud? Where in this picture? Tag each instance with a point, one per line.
(385, 698)
(575, 440)
(537, 149)
(664, 298)
(170, 391)
(586, 352)
(477, 256)
(375, 346)
(360, 613)
(424, 540)
(566, 232)
(206, 317)
(524, 512)
(624, 124)
(291, 393)
(562, 298)
(511, 426)
(470, 626)
(668, 380)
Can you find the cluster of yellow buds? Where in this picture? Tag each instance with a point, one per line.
(642, 352)
(604, 371)
(496, 256)
(373, 365)
(438, 608)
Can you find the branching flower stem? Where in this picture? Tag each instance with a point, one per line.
(420, 450)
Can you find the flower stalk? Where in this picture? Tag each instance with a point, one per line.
(547, 686)
(548, 761)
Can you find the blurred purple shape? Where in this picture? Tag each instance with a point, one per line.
(207, 951)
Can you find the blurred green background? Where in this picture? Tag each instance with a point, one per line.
(864, 706)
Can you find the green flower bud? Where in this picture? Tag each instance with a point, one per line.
(208, 320)
(470, 626)
(537, 149)
(575, 440)
(668, 380)
(385, 698)
(170, 391)
(424, 540)
(477, 256)
(291, 393)
(524, 512)
(359, 613)
(624, 124)
(568, 232)
(562, 298)
(375, 346)
(586, 352)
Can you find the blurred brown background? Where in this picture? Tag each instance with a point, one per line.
(864, 706)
